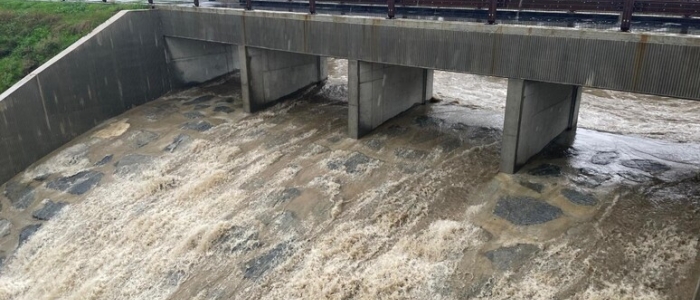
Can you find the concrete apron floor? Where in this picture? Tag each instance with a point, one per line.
(190, 197)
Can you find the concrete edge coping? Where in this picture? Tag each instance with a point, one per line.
(508, 29)
(65, 52)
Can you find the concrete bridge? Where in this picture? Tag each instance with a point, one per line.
(138, 56)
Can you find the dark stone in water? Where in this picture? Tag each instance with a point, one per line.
(351, 165)
(396, 130)
(636, 177)
(646, 165)
(131, 163)
(334, 139)
(224, 109)
(411, 154)
(202, 106)
(77, 184)
(237, 239)
(105, 160)
(450, 144)
(526, 210)
(5, 227)
(286, 195)
(49, 210)
(42, 177)
(256, 267)
(174, 277)
(142, 138)
(27, 232)
(537, 187)
(579, 198)
(199, 100)
(604, 157)
(427, 121)
(20, 195)
(193, 115)
(197, 126)
(546, 170)
(513, 257)
(374, 144)
(179, 139)
(591, 178)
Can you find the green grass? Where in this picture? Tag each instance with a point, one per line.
(31, 32)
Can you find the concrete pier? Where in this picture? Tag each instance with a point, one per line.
(379, 92)
(536, 114)
(268, 76)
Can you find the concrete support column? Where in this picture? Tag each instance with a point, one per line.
(379, 92)
(268, 75)
(536, 114)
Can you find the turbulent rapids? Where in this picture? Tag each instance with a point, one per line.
(188, 197)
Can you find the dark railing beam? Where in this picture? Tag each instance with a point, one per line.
(196, 3)
(492, 11)
(626, 16)
(312, 6)
(248, 4)
(392, 9)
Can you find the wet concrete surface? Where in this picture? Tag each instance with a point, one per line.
(282, 205)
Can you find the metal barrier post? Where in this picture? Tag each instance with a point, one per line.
(248, 5)
(196, 3)
(492, 11)
(312, 6)
(392, 8)
(626, 16)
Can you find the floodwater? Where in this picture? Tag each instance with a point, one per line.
(188, 197)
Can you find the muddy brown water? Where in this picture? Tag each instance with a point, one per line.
(188, 197)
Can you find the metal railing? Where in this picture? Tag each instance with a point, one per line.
(625, 8)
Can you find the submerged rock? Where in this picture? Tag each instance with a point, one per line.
(224, 109)
(77, 184)
(20, 195)
(411, 154)
(179, 139)
(257, 267)
(526, 210)
(105, 160)
(285, 195)
(237, 239)
(197, 126)
(201, 106)
(513, 257)
(646, 165)
(604, 157)
(198, 100)
(142, 138)
(193, 115)
(546, 170)
(131, 163)
(374, 144)
(5, 227)
(352, 164)
(537, 187)
(579, 197)
(49, 210)
(27, 232)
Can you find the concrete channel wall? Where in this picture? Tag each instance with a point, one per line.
(648, 63)
(117, 66)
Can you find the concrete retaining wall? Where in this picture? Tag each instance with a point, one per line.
(119, 65)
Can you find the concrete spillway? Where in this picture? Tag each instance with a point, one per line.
(190, 197)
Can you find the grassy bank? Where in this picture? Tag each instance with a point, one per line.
(33, 32)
